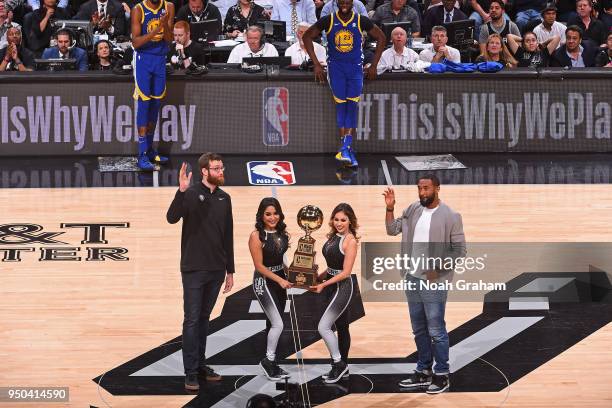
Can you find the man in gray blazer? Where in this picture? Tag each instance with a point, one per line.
(432, 231)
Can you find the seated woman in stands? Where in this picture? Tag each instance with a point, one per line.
(496, 51)
(529, 53)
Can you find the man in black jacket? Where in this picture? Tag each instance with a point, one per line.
(207, 258)
(107, 16)
(573, 54)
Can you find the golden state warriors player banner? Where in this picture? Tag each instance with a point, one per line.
(152, 22)
(344, 30)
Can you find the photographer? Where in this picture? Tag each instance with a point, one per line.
(106, 16)
(183, 51)
(14, 57)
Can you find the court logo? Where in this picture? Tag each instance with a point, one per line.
(16, 240)
(276, 116)
(266, 173)
(488, 353)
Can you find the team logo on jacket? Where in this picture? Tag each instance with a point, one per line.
(276, 116)
(271, 173)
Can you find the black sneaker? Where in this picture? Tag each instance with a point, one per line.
(417, 379)
(282, 373)
(209, 374)
(439, 383)
(326, 375)
(337, 372)
(271, 370)
(191, 382)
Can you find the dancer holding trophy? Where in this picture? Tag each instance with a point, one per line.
(340, 252)
(268, 244)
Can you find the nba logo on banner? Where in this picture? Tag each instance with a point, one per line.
(276, 116)
(266, 173)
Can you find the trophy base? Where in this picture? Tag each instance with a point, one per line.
(302, 278)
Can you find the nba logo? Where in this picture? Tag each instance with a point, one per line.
(276, 116)
(271, 173)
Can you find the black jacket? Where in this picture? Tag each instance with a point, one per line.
(207, 238)
(113, 9)
(561, 59)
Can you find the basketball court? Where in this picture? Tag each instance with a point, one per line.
(92, 296)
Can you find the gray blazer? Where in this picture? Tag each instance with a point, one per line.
(446, 237)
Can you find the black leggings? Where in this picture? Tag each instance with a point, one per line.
(340, 294)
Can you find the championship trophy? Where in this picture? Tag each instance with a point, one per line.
(303, 270)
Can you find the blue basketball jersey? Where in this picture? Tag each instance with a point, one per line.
(344, 39)
(149, 21)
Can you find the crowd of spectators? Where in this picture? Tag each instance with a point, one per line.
(516, 33)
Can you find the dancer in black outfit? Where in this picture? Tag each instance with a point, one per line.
(268, 244)
(340, 252)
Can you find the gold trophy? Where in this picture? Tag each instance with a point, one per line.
(303, 270)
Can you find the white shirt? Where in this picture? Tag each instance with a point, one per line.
(305, 10)
(428, 53)
(420, 240)
(243, 51)
(298, 55)
(421, 229)
(543, 34)
(390, 59)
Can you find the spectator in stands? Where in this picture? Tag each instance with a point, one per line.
(104, 56)
(332, 6)
(439, 15)
(241, 15)
(318, 7)
(15, 57)
(594, 30)
(528, 13)
(549, 26)
(566, 10)
(106, 16)
(223, 6)
(199, 10)
(606, 14)
(372, 5)
(6, 22)
(298, 53)
(574, 54)
(63, 50)
(397, 11)
(253, 47)
(40, 36)
(292, 12)
(481, 14)
(184, 52)
(604, 57)
(497, 25)
(529, 53)
(398, 56)
(438, 50)
(35, 4)
(496, 51)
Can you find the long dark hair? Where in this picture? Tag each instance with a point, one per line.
(353, 225)
(281, 227)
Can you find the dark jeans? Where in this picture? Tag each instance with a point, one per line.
(200, 292)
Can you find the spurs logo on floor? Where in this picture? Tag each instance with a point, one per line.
(18, 239)
(514, 339)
